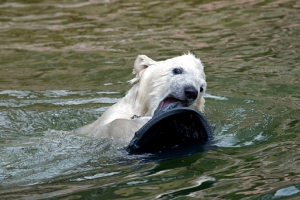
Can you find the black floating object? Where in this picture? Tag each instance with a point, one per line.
(181, 131)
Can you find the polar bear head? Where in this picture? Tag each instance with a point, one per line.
(159, 83)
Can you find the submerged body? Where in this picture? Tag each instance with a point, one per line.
(158, 84)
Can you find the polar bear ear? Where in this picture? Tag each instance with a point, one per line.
(141, 63)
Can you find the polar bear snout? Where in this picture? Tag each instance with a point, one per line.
(191, 93)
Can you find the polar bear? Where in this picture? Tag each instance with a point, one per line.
(158, 84)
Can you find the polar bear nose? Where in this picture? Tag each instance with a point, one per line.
(190, 92)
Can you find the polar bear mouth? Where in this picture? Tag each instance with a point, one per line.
(169, 100)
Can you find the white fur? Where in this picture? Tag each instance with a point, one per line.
(155, 81)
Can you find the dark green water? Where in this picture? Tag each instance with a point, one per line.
(63, 63)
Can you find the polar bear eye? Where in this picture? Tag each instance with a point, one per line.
(201, 89)
(177, 71)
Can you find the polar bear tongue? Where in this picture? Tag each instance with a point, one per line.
(169, 100)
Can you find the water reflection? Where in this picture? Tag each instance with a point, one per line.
(63, 63)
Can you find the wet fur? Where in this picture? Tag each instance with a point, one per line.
(154, 82)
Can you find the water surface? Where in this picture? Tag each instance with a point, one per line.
(63, 63)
